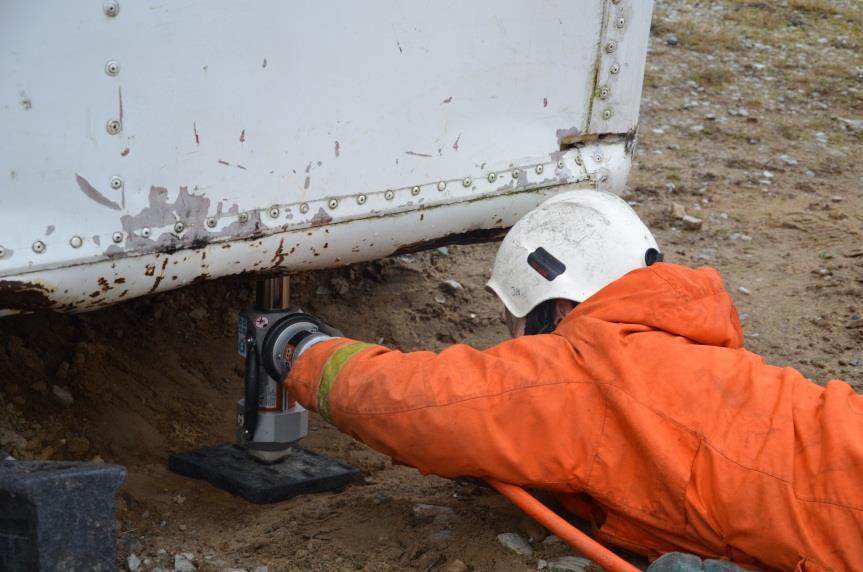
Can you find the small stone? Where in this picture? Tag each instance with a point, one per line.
(178, 498)
(855, 362)
(456, 566)
(570, 564)
(425, 513)
(672, 40)
(440, 298)
(744, 290)
(821, 137)
(515, 542)
(451, 286)
(552, 540)
(443, 251)
(788, 160)
(61, 396)
(852, 124)
(691, 223)
(677, 211)
(133, 563)
(541, 564)
(183, 562)
(261, 569)
(9, 437)
(199, 313)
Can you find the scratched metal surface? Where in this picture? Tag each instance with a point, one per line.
(260, 128)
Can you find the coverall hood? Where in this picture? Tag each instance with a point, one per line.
(691, 303)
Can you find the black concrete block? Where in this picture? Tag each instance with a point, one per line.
(58, 516)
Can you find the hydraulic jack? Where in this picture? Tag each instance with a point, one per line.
(266, 464)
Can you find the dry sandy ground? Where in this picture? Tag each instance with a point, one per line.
(743, 126)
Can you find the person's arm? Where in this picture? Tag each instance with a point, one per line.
(520, 412)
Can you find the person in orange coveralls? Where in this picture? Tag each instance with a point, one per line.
(626, 391)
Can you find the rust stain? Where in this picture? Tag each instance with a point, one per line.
(95, 195)
(120, 280)
(415, 154)
(103, 284)
(23, 296)
(338, 148)
(221, 162)
(457, 139)
(307, 182)
(156, 284)
(321, 218)
(447, 100)
(149, 270)
(243, 136)
(120, 100)
(195, 130)
(124, 152)
(279, 255)
(264, 64)
(241, 167)
(545, 102)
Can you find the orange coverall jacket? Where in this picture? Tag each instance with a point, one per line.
(644, 399)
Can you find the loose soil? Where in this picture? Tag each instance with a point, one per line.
(744, 126)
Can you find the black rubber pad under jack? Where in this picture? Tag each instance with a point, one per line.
(228, 467)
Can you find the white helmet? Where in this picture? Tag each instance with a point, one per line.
(570, 246)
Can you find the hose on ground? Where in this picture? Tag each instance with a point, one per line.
(565, 531)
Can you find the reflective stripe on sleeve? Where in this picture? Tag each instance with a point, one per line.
(331, 372)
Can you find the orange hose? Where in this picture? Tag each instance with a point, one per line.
(565, 531)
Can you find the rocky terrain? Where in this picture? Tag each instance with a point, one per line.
(748, 160)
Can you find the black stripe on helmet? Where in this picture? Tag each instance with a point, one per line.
(545, 264)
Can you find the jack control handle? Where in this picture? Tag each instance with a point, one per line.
(252, 387)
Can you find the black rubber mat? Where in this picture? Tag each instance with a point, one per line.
(228, 467)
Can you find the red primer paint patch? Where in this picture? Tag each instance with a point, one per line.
(124, 152)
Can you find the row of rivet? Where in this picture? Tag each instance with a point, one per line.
(610, 48)
(274, 211)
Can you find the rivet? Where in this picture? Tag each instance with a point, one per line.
(604, 92)
(361, 199)
(416, 190)
(116, 182)
(516, 173)
(76, 241)
(389, 195)
(38, 247)
(274, 212)
(113, 126)
(606, 114)
(492, 177)
(560, 164)
(117, 236)
(621, 22)
(145, 232)
(179, 226)
(112, 67)
(244, 217)
(441, 185)
(615, 68)
(467, 182)
(334, 203)
(211, 222)
(111, 8)
(597, 157)
(304, 208)
(539, 169)
(611, 46)
(2, 252)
